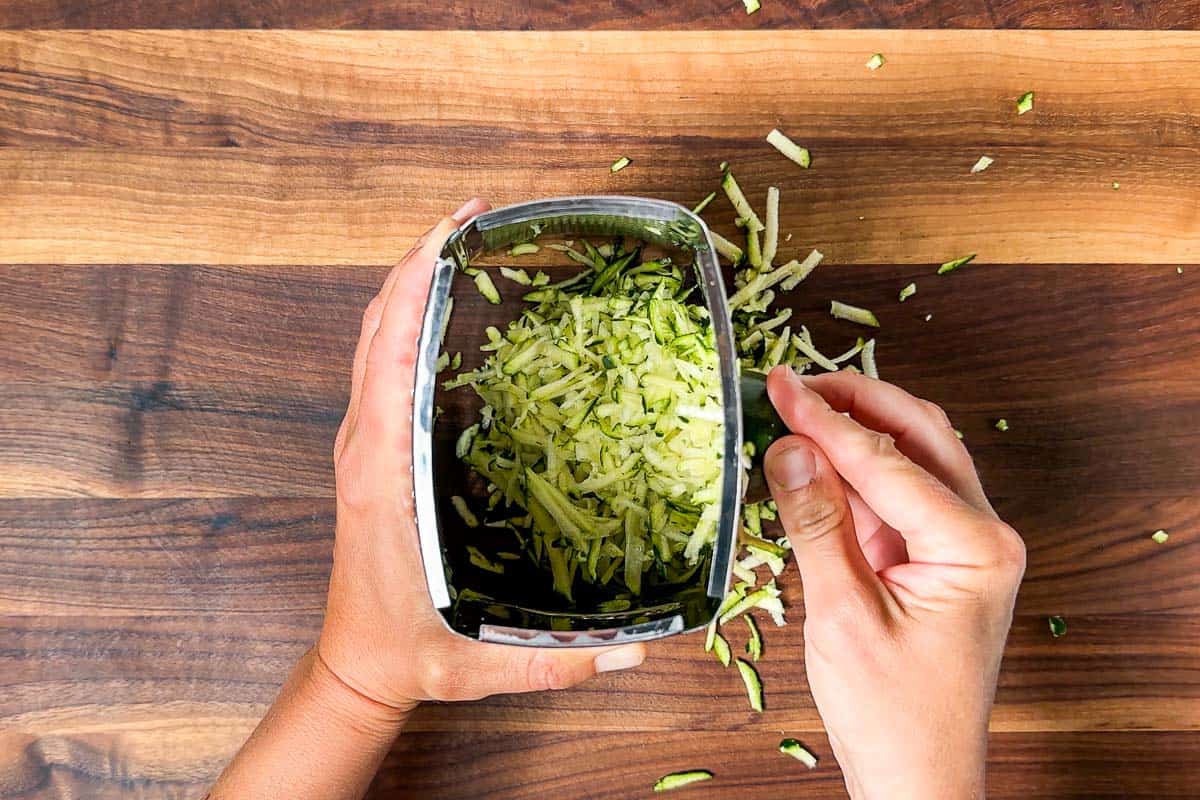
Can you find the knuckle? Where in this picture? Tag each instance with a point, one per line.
(815, 514)
(351, 490)
(836, 628)
(1010, 551)
(438, 681)
(880, 445)
(937, 414)
(372, 314)
(543, 672)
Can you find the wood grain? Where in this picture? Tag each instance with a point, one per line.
(346, 183)
(355, 207)
(1054, 766)
(482, 90)
(116, 558)
(192, 382)
(1124, 672)
(529, 15)
(194, 221)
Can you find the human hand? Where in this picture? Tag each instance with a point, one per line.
(909, 582)
(382, 636)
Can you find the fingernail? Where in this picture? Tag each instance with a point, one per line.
(460, 215)
(794, 468)
(621, 658)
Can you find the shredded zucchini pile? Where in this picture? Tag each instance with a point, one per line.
(602, 423)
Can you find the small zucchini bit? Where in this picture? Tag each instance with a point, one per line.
(524, 249)
(1002, 425)
(1058, 626)
(788, 148)
(703, 204)
(793, 748)
(851, 313)
(620, 164)
(1160, 536)
(464, 511)
(1025, 103)
(754, 687)
(983, 163)
(483, 562)
(754, 645)
(483, 282)
(518, 276)
(721, 649)
(907, 292)
(751, 6)
(677, 780)
(740, 203)
(868, 360)
(876, 61)
(950, 266)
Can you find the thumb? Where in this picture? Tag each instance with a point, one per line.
(816, 515)
(511, 669)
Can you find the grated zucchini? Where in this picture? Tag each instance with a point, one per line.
(754, 645)
(678, 780)
(876, 61)
(754, 687)
(793, 748)
(1160, 536)
(464, 511)
(620, 164)
(721, 649)
(788, 148)
(771, 234)
(605, 423)
(703, 204)
(740, 203)
(950, 266)
(983, 163)
(851, 313)
(1025, 103)
(907, 292)
(868, 360)
(524, 249)
(483, 282)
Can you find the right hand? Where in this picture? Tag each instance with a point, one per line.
(909, 582)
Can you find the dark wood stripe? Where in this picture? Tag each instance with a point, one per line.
(147, 558)
(1127, 672)
(185, 382)
(1049, 766)
(528, 15)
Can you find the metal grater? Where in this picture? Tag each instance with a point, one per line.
(509, 614)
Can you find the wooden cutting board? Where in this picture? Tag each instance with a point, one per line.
(191, 223)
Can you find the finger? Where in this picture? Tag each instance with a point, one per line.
(817, 518)
(373, 314)
(938, 526)
(472, 208)
(386, 399)
(505, 669)
(370, 324)
(921, 429)
(881, 545)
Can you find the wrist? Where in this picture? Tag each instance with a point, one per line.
(948, 782)
(344, 702)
